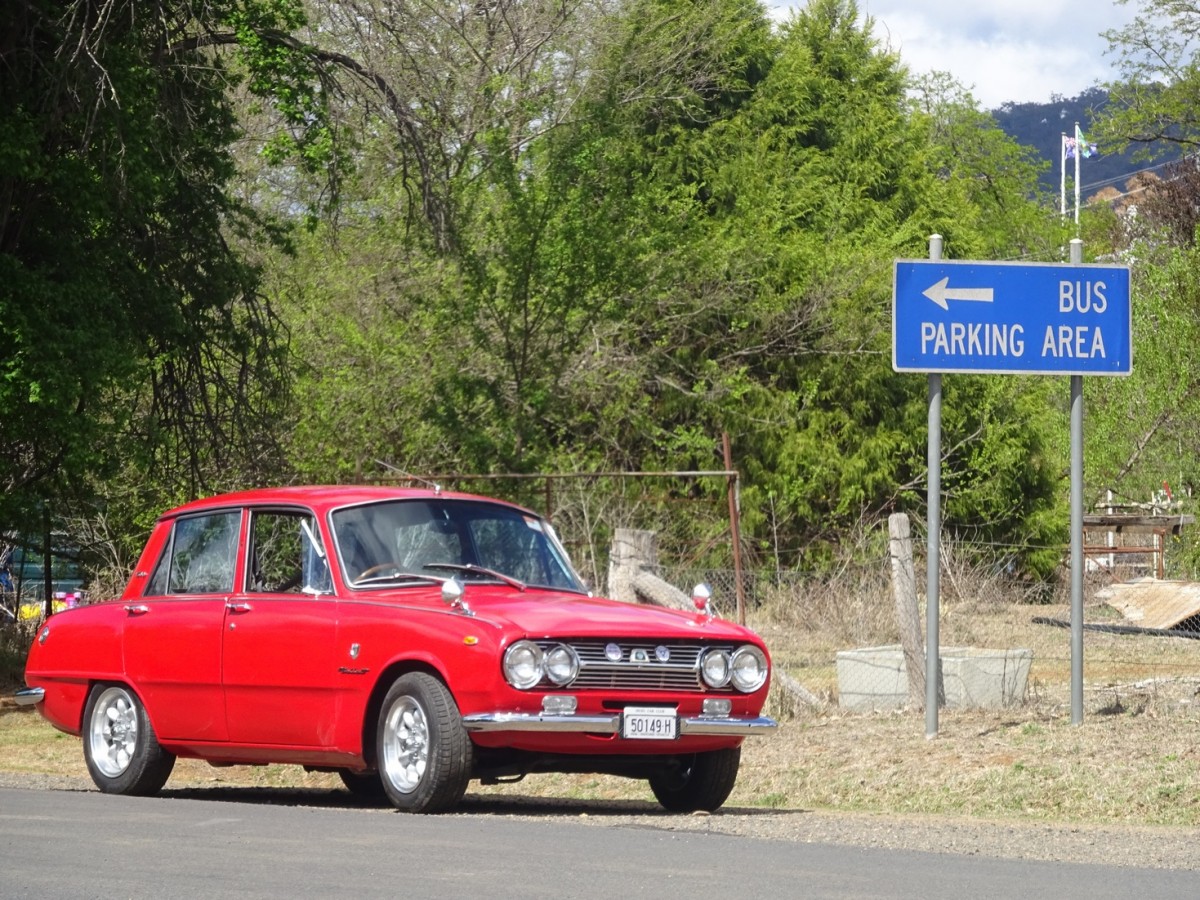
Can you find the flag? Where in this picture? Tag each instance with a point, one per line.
(1086, 148)
(1068, 147)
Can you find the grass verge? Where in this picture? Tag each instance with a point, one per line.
(1133, 760)
(1118, 767)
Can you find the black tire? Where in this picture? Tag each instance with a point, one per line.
(423, 752)
(702, 781)
(119, 745)
(364, 785)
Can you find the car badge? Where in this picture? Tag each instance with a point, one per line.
(661, 653)
(354, 648)
(639, 656)
(612, 652)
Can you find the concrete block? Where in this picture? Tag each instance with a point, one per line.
(872, 678)
(876, 678)
(985, 679)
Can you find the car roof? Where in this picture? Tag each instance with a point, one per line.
(322, 498)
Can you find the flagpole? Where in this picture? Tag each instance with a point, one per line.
(1078, 153)
(1062, 168)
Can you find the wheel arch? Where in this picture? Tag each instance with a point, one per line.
(123, 756)
(383, 684)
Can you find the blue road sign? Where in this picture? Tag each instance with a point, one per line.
(1015, 318)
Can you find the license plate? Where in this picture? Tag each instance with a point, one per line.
(654, 723)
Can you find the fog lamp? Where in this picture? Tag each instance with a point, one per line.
(559, 705)
(716, 706)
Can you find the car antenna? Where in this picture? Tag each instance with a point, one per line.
(437, 488)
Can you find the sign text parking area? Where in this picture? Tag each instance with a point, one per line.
(1015, 318)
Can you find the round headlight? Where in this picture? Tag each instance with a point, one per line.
(523, 664)
(562, 665)
(749, 668)
(714, 668)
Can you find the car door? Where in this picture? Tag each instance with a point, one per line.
(172, 635)
(278, 636)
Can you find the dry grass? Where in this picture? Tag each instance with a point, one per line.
(1133, 760)
(1133, 767)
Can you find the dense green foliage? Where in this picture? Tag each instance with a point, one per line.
(137, 342)
(1155, 101)
(703, 246)
(522, 237)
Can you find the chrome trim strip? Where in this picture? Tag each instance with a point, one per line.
(500, 721)
(715, 725)
(705, 725)
(29, 696)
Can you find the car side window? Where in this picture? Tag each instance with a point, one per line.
(199, 557)
(286, 555)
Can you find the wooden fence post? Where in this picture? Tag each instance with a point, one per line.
(632, 551)
(908, 615)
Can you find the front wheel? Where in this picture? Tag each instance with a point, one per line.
(119, 745)
(423, 752)
(702, 781)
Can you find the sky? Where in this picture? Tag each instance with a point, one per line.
(1001, 50)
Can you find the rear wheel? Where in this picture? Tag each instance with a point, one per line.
(119, 745)
(702, 781)
(422, 750)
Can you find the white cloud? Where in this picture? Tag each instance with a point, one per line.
(1019, 50)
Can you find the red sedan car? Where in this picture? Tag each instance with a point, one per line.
(410, 640)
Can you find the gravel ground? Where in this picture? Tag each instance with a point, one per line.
(1130, 846)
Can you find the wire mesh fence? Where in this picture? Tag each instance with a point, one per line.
(1004, 641)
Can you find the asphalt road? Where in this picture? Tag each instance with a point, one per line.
(66, 844)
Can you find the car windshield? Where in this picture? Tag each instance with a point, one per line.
(407, 541)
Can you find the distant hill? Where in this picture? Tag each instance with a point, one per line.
(1041, 126)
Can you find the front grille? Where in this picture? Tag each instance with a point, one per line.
(640, 667)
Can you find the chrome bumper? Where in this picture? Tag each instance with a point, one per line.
(29, 696)
(611, 724)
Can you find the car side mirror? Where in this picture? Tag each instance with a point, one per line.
(452, 595)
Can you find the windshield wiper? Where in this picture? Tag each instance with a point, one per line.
(391, 577)
(481, 570)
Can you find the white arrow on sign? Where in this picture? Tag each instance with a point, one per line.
(940, 293)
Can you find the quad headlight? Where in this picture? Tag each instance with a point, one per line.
(562, 664)
(745, 668)
(714, 668)
(526, 664)
(748, 669)
(523, 664)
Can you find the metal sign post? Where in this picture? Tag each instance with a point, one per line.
(1076, 530)
(933, 553)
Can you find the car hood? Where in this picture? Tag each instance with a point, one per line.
(548, 614)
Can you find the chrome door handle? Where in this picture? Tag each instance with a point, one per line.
(137, 609)
(238, 607)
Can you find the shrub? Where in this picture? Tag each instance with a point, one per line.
(14, 645)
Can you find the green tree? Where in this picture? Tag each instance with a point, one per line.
(776, 326)
(136, 337)
(1148, 419)
(542, 233)
(1155, 99)
(701, 242)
